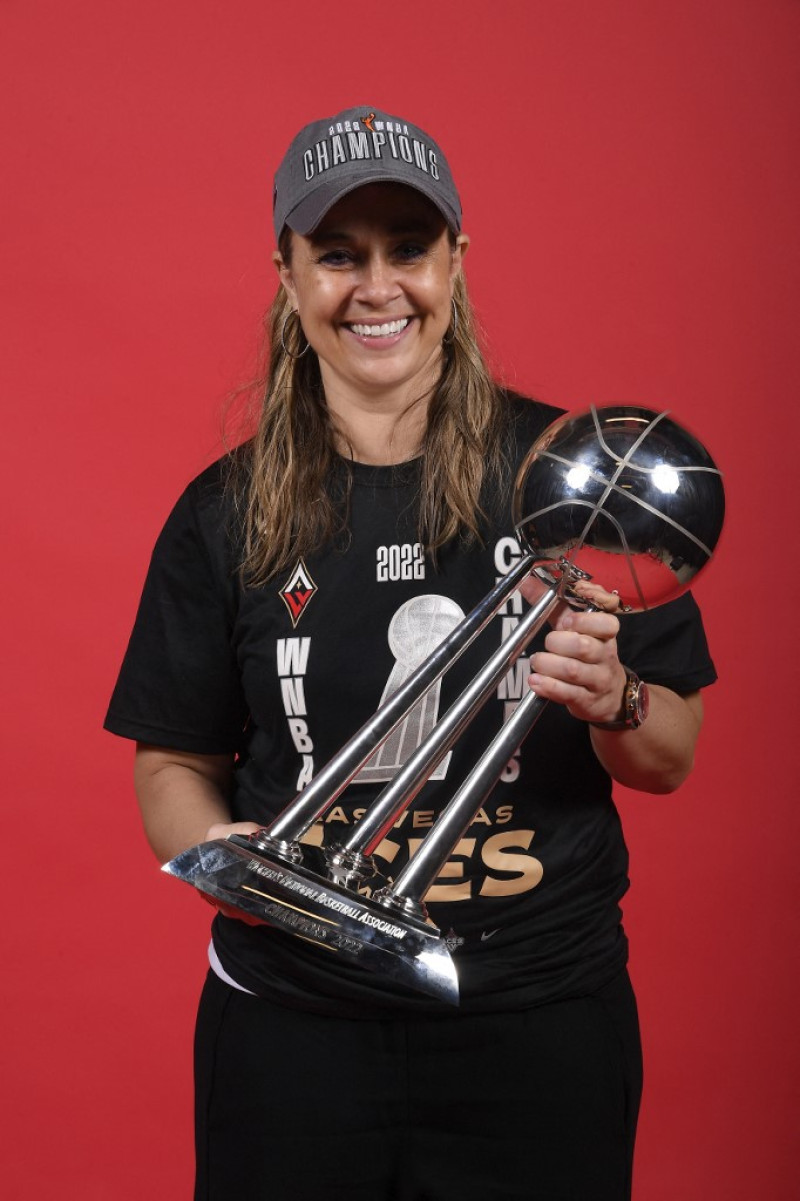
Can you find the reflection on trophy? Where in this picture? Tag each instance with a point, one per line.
(622, 496)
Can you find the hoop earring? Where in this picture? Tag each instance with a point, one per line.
(286, 351)
(449, 341)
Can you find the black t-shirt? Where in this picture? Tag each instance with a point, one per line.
(282, 676)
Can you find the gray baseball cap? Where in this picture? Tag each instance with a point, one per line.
(362, 145)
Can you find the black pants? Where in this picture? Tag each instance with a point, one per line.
(539, 1105)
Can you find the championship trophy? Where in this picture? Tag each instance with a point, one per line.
(622, 495)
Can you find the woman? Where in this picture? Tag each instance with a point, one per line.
(293, 585)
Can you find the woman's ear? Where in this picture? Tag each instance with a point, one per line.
(459, 250)
(285, 276)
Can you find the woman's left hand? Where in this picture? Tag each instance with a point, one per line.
(579, 667)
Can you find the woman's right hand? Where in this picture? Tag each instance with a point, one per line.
(182, 796)
(222, 830)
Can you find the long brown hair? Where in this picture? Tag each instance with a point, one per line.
(282, 478)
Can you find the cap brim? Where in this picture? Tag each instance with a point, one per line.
(306, 216)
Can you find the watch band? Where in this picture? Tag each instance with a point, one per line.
(635, 705)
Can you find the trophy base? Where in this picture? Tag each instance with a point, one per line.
(305, 903)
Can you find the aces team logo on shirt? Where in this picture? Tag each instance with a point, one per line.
(297, 592)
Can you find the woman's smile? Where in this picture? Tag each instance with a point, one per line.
(380, 333)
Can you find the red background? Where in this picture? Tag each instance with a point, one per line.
(629, 177)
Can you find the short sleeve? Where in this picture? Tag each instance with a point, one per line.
(667, 645)
(179, 684)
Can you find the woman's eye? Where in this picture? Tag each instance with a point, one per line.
(409, 251)
(336, 258)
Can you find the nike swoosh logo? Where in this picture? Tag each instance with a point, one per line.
(487, 934)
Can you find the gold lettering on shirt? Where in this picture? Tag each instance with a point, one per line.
(498, 856)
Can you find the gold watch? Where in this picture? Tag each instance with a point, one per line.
(635, 705)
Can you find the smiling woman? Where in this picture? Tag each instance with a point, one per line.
(290, 591)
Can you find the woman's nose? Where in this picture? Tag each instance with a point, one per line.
(378, 281)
